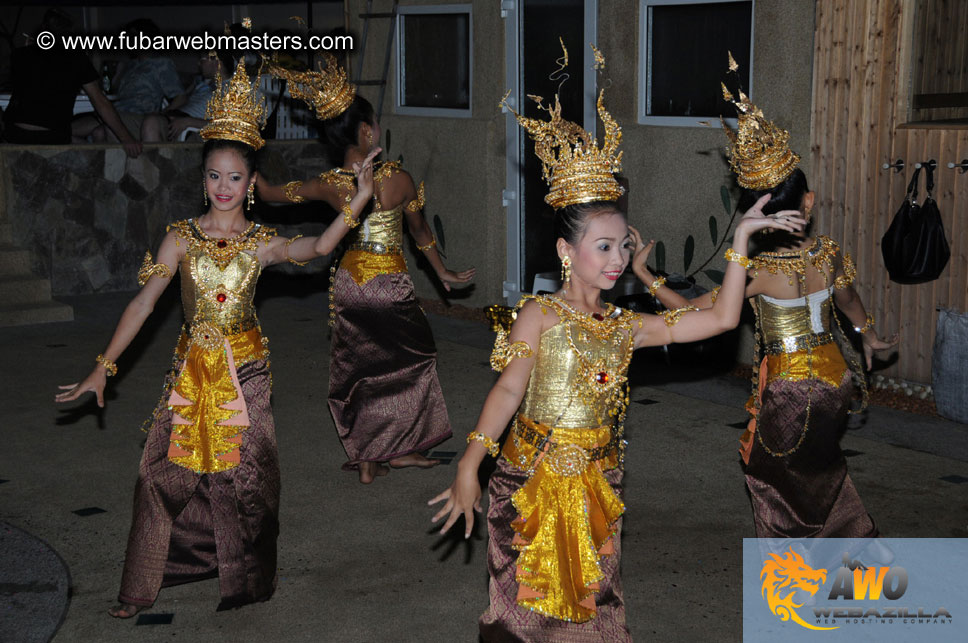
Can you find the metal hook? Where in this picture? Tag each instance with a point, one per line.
(897, 165)
(962, 167)
(932, 164)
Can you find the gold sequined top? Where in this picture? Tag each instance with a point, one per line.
(580, 371)
(786, 318)
(380, 227)
(218, 276)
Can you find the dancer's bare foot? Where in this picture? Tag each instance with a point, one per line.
(370, 470)
(413, 460)
(124, 610)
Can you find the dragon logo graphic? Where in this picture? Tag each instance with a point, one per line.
(782, 577)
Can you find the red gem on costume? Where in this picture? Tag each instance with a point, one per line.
(602, 378)
(220, 297)
(597, 317)
(221, 243)
(205, 336)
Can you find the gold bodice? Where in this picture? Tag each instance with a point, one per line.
(381, 227)
(218, 277)
(580, 369)
(782, 319)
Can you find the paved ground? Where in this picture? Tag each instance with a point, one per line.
(363, 563)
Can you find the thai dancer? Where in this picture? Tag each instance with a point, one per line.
(207, 498)
(555, 509)
(802, 384)
(384, 393)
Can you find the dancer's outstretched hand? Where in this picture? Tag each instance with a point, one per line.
(754, 220)
(364, 173)
(641, 252)
(448, 277)
(875, 343)
(94, 383)
(462, 496)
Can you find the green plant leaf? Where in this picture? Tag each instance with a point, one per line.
(716, 276)
(660, 256)
(713, 229)
(439, 230)
(727, 202)
(687, 253)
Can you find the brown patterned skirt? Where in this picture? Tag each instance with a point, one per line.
(189, 526)
(383, 388)
(807, 493)
(505, 620)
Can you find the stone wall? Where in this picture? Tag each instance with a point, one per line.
(88, 213)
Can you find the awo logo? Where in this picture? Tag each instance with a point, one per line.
(783, 576)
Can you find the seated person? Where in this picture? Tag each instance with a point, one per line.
(181, 115)
(45, 86)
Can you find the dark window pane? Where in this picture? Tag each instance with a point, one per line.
(436, 61)
(687, 57)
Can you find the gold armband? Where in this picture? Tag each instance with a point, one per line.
(488, 443)
(290, 191)
(732, 255)
(149, 269)
(654, 288)
(433, 242)
(417, 204)
(850, 271)
(715, 294)
(348, 218)
(111, 367)
(672, 316)
(503, 352)
(290, 259)
(867, 326)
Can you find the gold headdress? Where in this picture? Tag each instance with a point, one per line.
(235, 112)
(327, 91)
(573, 165)
(758, 150)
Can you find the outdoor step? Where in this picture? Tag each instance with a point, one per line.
(14, 260)
(37, 313)
(23, 289)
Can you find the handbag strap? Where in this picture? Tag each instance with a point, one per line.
(912, 189)
(929, 179)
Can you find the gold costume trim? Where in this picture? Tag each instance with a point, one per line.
(823, 362)
(821, 254)
(364, 266)
(417, 204)
(503, 352)
(222, 251)
(290, 191)
(149, 269)
(567, 514)
(797, 343)
(850, 271)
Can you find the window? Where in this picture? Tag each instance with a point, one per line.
(434, 60)
(940, 64)
(682, 59)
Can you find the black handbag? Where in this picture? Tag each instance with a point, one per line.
(914, 248)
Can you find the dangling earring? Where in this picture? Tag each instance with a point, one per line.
(565, 270)
(251, 196)
(369, 140)
(205, 193)
(806, 213)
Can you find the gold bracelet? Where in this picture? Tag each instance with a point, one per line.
(110, 366)
(348, 218)
(488, 443)
(732, 255)
(290, 259)
(654, 288)
(290, 191)
(433, 242)
(868, 326)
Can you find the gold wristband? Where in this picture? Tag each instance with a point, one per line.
(658, 283)
(290, 259)
(488, 443)
(110, 366)
(348, 218)
(732, 255)
(867, 326)
(290, 191)
(433, 242)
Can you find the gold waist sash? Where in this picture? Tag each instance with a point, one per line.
(567, 514)
(209, 410)
(363, 265)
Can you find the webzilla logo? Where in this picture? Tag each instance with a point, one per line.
(783, 576)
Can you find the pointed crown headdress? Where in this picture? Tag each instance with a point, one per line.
(327, 91)
(758, 150)
(577, 170)
(236, 111)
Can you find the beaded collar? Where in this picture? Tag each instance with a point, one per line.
(223, 250)
(791, 263)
